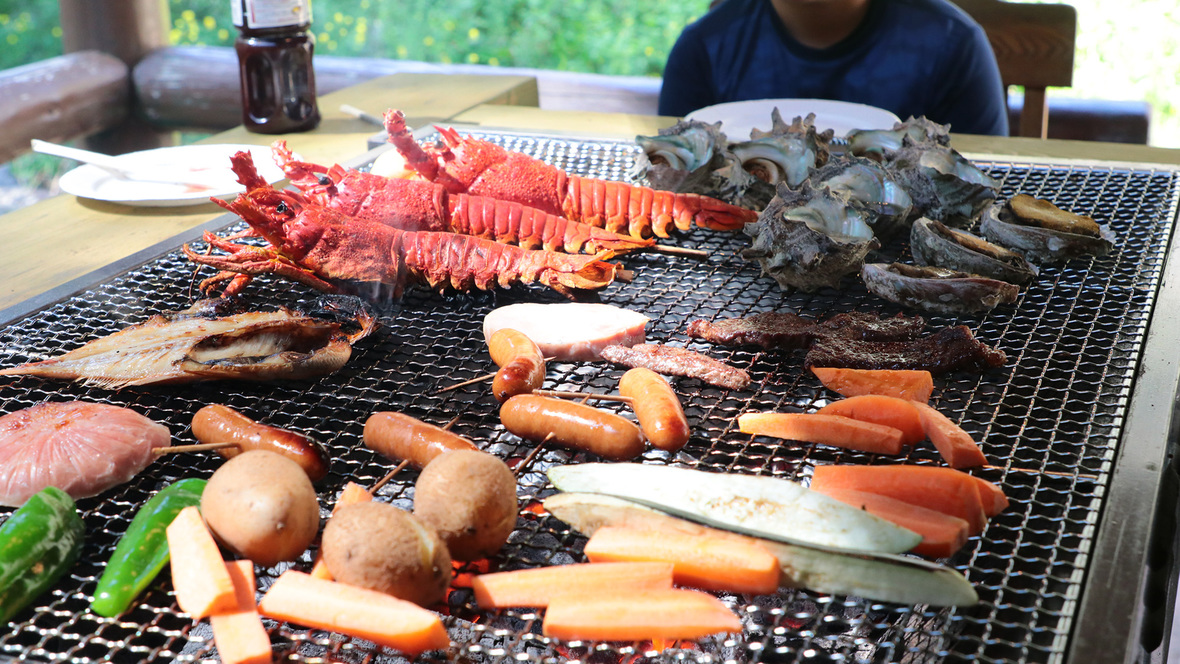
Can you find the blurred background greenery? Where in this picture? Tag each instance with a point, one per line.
(1128, 50)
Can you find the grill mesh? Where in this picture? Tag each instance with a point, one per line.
(1049, 420)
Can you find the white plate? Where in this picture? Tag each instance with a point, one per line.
(739, 117)
(206, 166)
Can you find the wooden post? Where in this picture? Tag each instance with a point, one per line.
(129, 30)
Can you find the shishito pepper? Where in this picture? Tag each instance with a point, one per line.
(39, 543)
(143, 550)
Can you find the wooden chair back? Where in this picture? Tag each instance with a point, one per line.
(1034, 46)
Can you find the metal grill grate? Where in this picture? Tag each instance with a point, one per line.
(1049, 420)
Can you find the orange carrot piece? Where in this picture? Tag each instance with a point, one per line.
(834, 430)
(699, 560)
(625, 615)
(992, 496)
(956, 446)
(383, 619)
(942, 534)
(915, 385)
(946, 490)
(352, 493)
(536, 587)
(880, 409)
(239, 634)
(199, 575)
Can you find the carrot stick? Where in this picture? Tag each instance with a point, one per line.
(239, 634)
(352, 493)
(880, 409)
(383, 619)
(536, 587)
(199, 575)
(834, 430)
(701, 561)
(946, 490)
(901, 383)
(956, 446)
(638, 616)
(942, 534)
(993, 498)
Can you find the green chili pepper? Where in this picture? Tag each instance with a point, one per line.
(39, 543)
(143, 550)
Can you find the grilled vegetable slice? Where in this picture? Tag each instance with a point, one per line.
(143, 550)
(39, 543)
(878, 577)
(758, 506)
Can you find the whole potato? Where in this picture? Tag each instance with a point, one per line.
(384, 548)
(469, 497)
(261, 505)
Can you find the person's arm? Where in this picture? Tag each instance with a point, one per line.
(974, 100)
(687, 83)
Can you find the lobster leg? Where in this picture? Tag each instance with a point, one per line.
(252, 261)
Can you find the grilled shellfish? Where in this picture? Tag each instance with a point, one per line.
(1042, 232)
(937, 290)
(809, 238)
(935, 244)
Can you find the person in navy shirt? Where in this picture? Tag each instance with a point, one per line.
(911, 57)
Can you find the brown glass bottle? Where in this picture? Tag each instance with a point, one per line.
(275, 49)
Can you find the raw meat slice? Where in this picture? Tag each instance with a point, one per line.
(79, 447)
(570, 331)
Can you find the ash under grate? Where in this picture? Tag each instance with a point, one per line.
(1049, 420)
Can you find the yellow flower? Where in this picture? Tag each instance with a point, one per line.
(428, 40)
(402, 52)
(4, 18)
(495, 62)
(209, 22)
(649, 51)
(473, 58)
(473, 34)
(188, 15)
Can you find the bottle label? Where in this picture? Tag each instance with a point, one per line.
(270, 13)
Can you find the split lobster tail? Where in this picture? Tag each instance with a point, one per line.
(480, 168)
(462, 262)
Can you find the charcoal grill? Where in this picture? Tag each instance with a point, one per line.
(1077, 426)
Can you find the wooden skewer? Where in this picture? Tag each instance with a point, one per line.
(465, 383)
(478, 379)
(680, 251)
(582, 395)
(199, 447)
(528, 460)
(388, 476)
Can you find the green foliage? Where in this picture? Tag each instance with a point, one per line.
(30, 33)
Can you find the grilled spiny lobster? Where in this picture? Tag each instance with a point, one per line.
(329, 251)
(418, 205)
(480, 168)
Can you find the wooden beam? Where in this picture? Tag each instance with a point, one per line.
(128, 30)
(61, 99)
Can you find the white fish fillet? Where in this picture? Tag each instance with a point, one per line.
(570, 331)
(79, 447)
